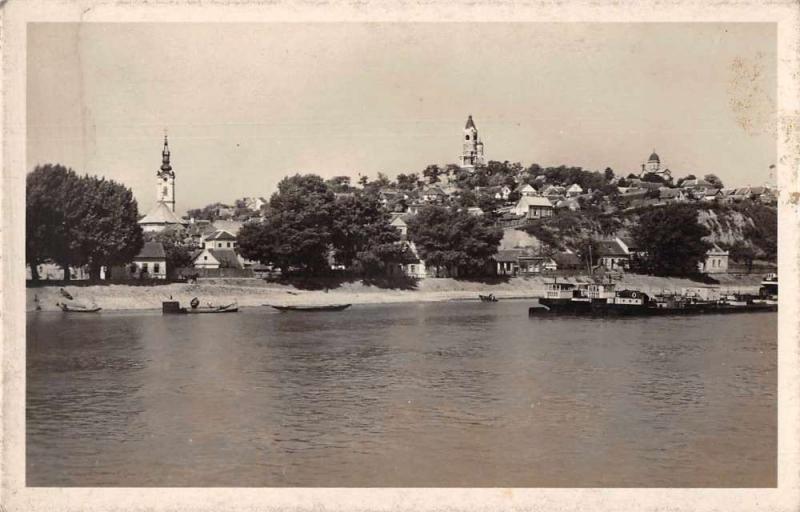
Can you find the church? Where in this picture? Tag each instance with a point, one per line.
(162, 214)
(653, 166)
(472, 153)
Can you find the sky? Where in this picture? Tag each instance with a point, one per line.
(247, 104)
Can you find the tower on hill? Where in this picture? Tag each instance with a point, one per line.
(472, 153)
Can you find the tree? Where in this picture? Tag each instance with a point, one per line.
(685, 178)
(179, 255)
(407, 181)
(91, 220)
(743, 253)
(46, 228)
(713, 180)
(652, 177)
(453, 239)
(432, 172)
(296, 233)
(362, 234)
(672, 240)
(108, 233)
(608, 174)
(340, 184)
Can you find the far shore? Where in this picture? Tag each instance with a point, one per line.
(257, 292)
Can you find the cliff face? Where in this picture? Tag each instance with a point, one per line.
(727, 228)
(751, 224)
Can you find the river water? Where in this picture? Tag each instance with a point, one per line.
(438, 394)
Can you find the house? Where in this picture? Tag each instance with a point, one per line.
(633, 194)
(570, 204)
(218, 258)
(220, 239)
(254, 203)
(716, 261)
(507, 262)
(414, 266)
(231, 226)
(522, 261)
(433, 194)
(574, 190)
(527, 190)
(533, 207)
(474, 210)
(567, 260)
(151, 262)
(399, 221)
(503, 193)
(414, 208)
(630, 246)
(612, 255)
(711, 194)
(554, 192)
(671, 194)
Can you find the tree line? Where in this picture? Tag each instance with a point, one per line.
(307, 229)
(77, 220)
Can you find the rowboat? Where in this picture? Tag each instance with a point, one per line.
(334, 307)
(174, 308)
(78, 308)
(488, 298)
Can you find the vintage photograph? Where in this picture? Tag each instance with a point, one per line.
(511, 255)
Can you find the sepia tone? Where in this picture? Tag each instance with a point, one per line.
(500, 255)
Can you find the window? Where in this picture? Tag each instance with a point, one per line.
(156, 268)
(144, 267)
(165, 191)
(229, 244)
(205, 258)
(467, 137)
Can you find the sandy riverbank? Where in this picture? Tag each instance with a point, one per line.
(256, 292)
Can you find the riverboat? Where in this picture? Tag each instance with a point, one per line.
(174, 308)
(334, 307)
(605, 300)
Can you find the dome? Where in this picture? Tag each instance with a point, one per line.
(654, 157)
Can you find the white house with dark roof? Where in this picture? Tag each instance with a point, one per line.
(218, 258)
(716, 261)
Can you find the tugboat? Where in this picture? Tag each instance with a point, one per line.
(605, 300)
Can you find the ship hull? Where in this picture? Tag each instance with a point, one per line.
(603, 308)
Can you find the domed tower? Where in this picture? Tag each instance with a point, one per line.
(472, 153)
(653, 163)
(165, 178)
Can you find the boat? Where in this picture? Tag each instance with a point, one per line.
(488, 298)
(173, 307)
(605, 300)
(333, 307)
(78, 308)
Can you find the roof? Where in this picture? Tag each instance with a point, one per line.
(667, 192)
(567, 259)
(470, 123)
(610, 248)
(231, 226)
(575, 186)
(226, 257)
(221, 234)
(509, 255)
(152, 250)
(160, 214)
(528, 201)
(654, 157)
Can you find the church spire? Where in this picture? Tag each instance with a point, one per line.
(165, 165)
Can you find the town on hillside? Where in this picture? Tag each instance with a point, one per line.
(476, 218)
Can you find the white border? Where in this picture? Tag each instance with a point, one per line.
(15, 496)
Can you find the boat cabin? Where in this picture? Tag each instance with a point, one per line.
(559, 290)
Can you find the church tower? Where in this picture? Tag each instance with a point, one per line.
(165, 177)
(472, 153)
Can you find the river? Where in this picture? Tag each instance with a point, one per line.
(412, 395)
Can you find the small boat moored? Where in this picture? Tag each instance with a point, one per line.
(333, 307)
(78, 308)
(488, 298)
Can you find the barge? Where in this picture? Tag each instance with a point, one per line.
(605, 300)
